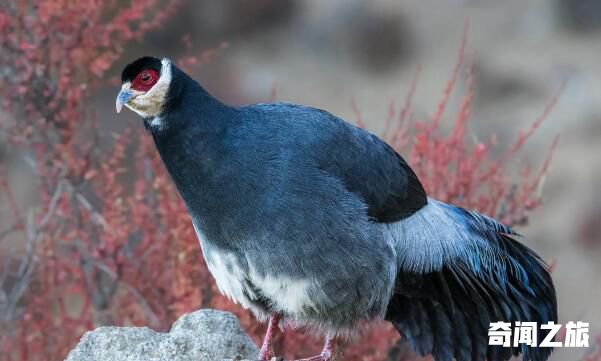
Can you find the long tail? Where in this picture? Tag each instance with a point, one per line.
(459, 271)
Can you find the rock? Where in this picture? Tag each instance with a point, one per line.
(205, 335)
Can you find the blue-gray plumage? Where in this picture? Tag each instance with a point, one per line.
(306, 218)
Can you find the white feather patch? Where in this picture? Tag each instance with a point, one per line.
(289, 295)
(232, 278)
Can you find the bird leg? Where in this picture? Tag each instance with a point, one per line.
(266, 352)
(328, 353)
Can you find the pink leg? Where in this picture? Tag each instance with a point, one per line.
(266, 352)
(328, 353)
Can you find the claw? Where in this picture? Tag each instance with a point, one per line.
(328, 353)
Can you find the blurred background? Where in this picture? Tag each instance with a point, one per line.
(346, 56)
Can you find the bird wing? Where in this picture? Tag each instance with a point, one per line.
(368, 167)
(371, 169)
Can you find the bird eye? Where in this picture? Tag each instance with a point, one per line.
(145, 77)
(145, 80)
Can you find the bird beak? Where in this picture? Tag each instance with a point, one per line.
(124, 96)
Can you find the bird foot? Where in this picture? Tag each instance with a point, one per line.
(328, 353)
(321, 357)
(266, 352)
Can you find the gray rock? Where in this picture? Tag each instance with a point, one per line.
(205, 335)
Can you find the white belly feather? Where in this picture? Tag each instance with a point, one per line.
(287, 295)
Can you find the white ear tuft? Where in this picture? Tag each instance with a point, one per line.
(165, 71)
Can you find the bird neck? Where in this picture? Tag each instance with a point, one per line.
(188, 108)
(194, 141)
(190, 132)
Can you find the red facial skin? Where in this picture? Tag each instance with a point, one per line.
(145, 80)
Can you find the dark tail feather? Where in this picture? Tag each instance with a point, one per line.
(448, 312)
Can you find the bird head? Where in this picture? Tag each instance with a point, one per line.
(145, 84)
